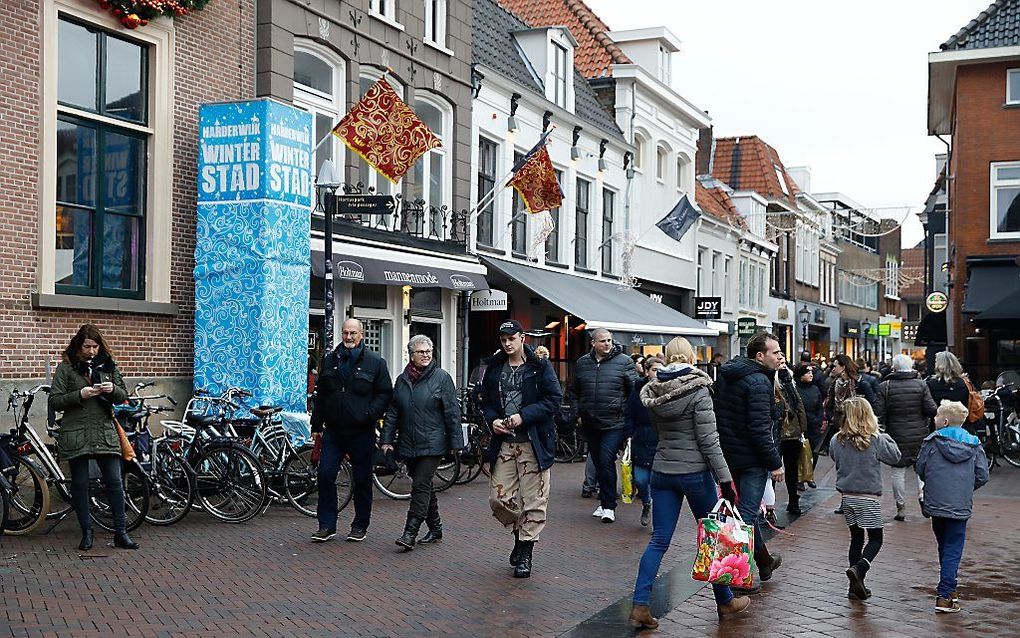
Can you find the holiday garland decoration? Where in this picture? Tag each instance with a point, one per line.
(137, 13)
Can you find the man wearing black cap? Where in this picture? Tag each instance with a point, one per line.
(520, 395)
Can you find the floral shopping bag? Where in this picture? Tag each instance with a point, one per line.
(725, 548)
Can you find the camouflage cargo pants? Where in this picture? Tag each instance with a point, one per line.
(519, 491)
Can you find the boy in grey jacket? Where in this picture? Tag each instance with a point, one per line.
(952, 465)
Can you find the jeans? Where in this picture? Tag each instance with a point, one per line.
(591, 481)
(668, 492)
(603, 445)
(899, 485)
(424, 505)
(642, 476)
(359, 447)
(111, 467)
(750, 484)
(951, 533)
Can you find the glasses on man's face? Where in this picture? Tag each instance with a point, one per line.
(350, 333)
(424, 353)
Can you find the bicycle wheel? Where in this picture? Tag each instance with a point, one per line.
(396, 485)
(301, 483)
(446, 473)
(5, 507)
(173, 489)
(29, 498)
(566, 448)
(1009, 444)
(136, 498)
(230, 483)
(471, 460)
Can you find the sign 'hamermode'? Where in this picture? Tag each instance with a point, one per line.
(258, 149)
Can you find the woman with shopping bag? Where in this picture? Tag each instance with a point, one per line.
(688, 464)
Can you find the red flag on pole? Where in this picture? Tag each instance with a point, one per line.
(386, 132)
(536, 183)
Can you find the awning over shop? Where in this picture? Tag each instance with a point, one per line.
(367, 270)
(1007, 310)
(602, 304)
(989, 285)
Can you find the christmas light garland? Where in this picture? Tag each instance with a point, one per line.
(137, 13)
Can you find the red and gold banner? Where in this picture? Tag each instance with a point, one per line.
(536, 183)
(386, 132)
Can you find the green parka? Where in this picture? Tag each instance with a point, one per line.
(87, 427)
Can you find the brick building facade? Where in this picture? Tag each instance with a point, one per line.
(98, 208)
(974, 96)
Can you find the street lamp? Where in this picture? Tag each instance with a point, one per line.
(866, 327)
(805, 319)
(326, 185)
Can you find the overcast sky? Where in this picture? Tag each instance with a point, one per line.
(837, 86)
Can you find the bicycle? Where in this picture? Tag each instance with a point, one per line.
(6, 489)
(171, 479)
(44, 468)
(229, 481)
(1000, 435)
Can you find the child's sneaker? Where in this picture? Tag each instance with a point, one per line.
(946, 605)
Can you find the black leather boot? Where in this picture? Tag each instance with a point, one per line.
(434, 523)
(515, 555)
(523, 568)
(123, 541)
(411, 527)
(86, 540)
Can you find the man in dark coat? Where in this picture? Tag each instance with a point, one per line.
(603, 380)
(520, 395)
(904, 405)
(746, 417)
(352, 393)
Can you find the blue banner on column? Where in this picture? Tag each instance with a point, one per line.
(252, 253)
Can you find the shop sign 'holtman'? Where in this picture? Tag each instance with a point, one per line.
(252, 252)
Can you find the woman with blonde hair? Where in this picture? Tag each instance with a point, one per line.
(688, 464)
(858, 451)
(949, 383)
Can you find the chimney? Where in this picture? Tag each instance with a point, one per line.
(706, 151)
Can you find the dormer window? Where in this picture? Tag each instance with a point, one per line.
(559, 65)
(665, 66)
(782, 182)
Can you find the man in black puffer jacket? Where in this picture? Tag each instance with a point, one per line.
(746, 417)
(603, 380)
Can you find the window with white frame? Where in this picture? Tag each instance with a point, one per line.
(639, 152)
(665, 67)
(431, 176)
(716, 273)
(435, 22)
(518, 219)
(702, 256)
(855, 290)
(560, 76)
(760, 299)
(608, 213)
(488, 153)
(104, 137)
(782, 182)
(582, 207)
(742, 283)
(660, 163)
(683, 170)
(1005, 200)
(727, 300)
(1013, 86)
(319, 89)
(892, 276)
(552, 242)
(384, 8)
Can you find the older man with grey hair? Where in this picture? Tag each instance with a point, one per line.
(904, 405)
(603, 380)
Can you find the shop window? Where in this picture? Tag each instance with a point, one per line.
(102, 139)
(369, 296)
(430, 299)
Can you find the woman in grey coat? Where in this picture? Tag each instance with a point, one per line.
(904, 406)
(424, 420)
(688, 464)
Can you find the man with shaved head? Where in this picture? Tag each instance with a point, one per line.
(602, 382)
(351, 395)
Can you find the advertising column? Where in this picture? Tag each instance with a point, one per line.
(252, 253)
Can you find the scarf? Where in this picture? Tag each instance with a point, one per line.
(345, 356)
(414, 373)
(845, 389)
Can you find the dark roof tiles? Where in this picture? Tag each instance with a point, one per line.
(996, 26)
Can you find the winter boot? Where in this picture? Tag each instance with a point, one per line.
(86, 539)
(435, 525)
(411, 528)
(901, 512)
(641, 618)
(515, 555)
(523, 568)
(122, 541)
(767, 563)
(735, 606)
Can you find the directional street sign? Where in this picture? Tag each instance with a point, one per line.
(365, 204)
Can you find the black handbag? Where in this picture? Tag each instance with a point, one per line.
(385, 463)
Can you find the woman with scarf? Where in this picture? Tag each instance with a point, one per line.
(792, 427)
(86, 386)
(423, 422)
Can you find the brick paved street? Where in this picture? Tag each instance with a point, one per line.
(264, 578)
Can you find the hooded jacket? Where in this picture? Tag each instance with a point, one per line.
(599, 391)
(746, 415)
(540, 399)
(904, 406)
(424, 417)
(639, 427)
(680, 404)
(952, 465)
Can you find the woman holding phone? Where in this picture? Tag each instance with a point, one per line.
(86, 386)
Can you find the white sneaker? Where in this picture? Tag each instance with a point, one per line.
(598, 513)
(608, 516)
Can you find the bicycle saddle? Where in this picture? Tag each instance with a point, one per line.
(266, 410)
(202, 420)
